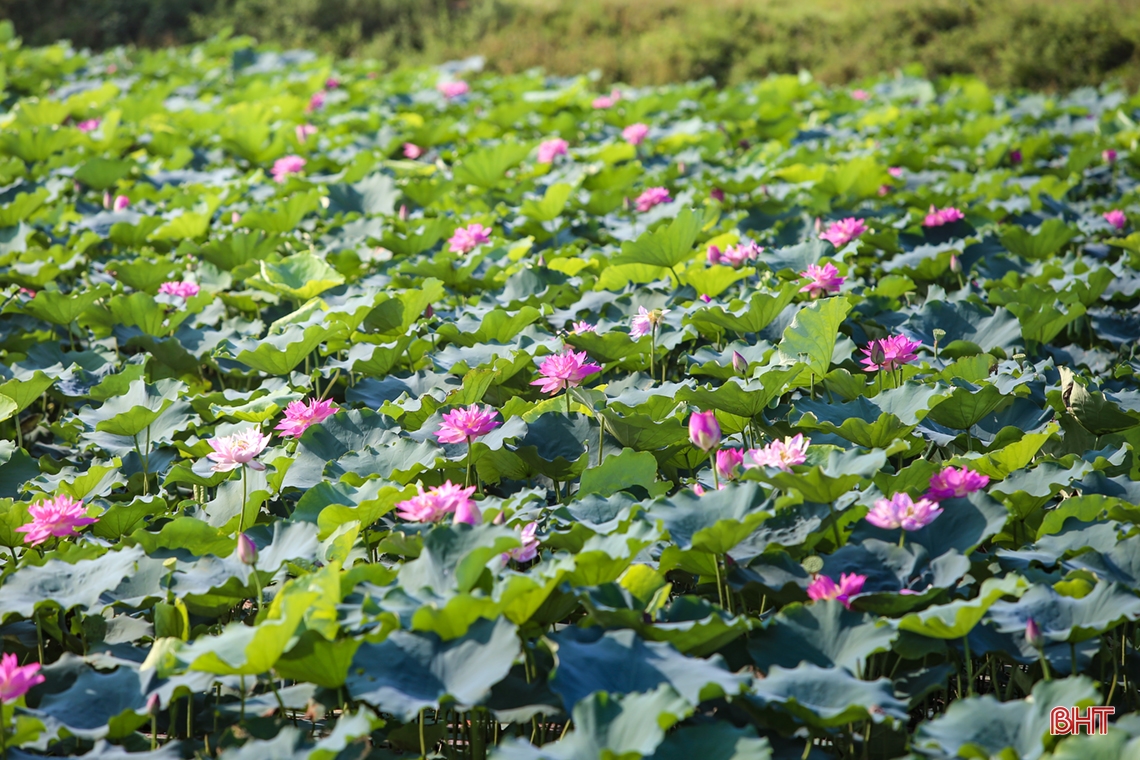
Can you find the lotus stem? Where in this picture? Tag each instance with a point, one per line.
(423, 743)
(244, 488)
(969, 667)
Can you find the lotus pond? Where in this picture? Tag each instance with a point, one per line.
(362, 414)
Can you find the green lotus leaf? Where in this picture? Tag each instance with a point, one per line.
(410, 671)
(300, 277)
(956, 619)
(824, 634)
(665, 246)
(826, 697)
(63, 308)
(609, 727)
(618, 662)
(487, 167)
(984, 727)
(810, 338)
(629, 468)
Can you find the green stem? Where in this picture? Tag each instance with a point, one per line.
(467, 479)
(835, 525)
(969, 667)
(567, 401)
(902, 537)
(1044, 663)
(39, 637)
(719, 591)
(652, 347)
(423, 743)
(244, 487)
(241, 717)
(716, 477)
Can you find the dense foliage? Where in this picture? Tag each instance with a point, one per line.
(351, 415)
(1020, 43)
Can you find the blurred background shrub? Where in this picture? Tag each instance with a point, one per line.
(1022, 43)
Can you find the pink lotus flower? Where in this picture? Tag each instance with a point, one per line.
(895, 171)
(432, 505)
(844, 231)
(453, 88)
(783, 454)
(645, 321)
(246, 550)
(606, 101)
(705, 298)
(900, 511)
(821, 280)
(332, 83)
(300, 415)
(467, 512)
(1109, 156)
(529, 548)
(1116, 218)
(316, 102)
(860, 95)
(652, 197)
(465, 425)
(582, 327)
(89, 125)
(889, 353)
(698, 489)
(15, 680)
(285, 166)
(467, 239)
(565, 370)
(885, 190)
(1033, 635)
(118, 203)
(1015, 156)
(704, 430)
(181, 289)
(58, 516)
(303, 132)
(849, 585)
(412, 151)
(635, 134)
(728, 461)
(29, 293)
(735, 256)
(939, 217)
(717, 195)
(955, 484)
(237, 450)
(548, 150)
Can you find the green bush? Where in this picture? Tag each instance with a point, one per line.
(1023, 43)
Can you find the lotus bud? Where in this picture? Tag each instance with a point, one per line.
(717, 194)
(698, 489)
(739, 363)
(153, 704)
(1033, 634)
(705, 298)
(714, 254)
(1015, 156)
(403, 212)
(246, 550)
(704, 431)
(681, 167)
(955, 264)
(107, 199)
(1109, 156)
(429, 312)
